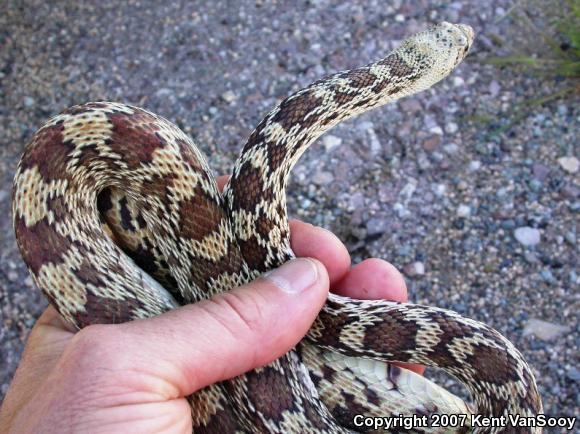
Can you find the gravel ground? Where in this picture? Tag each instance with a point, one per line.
(485, 225)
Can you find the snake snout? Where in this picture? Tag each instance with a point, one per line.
(467, 32)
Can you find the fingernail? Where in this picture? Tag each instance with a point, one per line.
(294, 276)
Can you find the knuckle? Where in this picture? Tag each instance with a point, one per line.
(97, 345)
(241, 314)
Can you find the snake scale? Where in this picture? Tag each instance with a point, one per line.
(118, 217)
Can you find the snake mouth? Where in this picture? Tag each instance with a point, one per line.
(467, 32)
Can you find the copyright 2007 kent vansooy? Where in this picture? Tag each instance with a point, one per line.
(463, 420)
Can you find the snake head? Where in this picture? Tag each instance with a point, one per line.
(435, 52)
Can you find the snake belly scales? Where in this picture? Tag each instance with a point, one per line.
(118, 217)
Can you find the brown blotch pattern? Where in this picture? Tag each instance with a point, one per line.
(276, 153)
(254, 254)
(199, 216)
(40, 243)
(273, 392)
(294, 110)
(361, 77)
(49, 153)
(248, 188)
(493, 365)
(392, 334)
(397, 66)
(135, 137)
(88, 274)
(111, 311)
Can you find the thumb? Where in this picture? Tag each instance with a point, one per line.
(213, 340)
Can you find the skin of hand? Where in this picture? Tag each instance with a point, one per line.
(134, 377)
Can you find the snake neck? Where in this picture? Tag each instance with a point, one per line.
(254, 196)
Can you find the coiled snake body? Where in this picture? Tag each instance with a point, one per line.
(118, 217)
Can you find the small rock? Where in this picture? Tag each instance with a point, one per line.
(548, 277)
(330, 142)
(436, 130)
(562, 110)
(416, 268)
(451, 127)
(451, 148)
(462, 185)
(411, 105)
(463, 211)
(508, 224)
(374, 141)
(527, 236)
(535, 185)
(377, 226)
(458, 81)
(229, 96)
(359, 233)
(400, 18)
(431, 143)
(439, 189)
(29, 101)
(401, 211)
(570, 191)
(430, 122)
(494, 88)
(540, 171)
(322, 177)
(474, 165)
(574, 374)
(544, 330)
(569, 164)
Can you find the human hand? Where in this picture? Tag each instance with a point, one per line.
(135, 376)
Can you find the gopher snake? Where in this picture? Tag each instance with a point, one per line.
(118, 217)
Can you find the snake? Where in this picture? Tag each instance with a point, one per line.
(118, 217)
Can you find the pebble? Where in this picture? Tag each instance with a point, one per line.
(535, 185)
(474, 165)
(527, 236)
(562, 110)
(330, 142)
(450, 148)
(432, 142)
(569, 164)
(458, 81)
(377, 226)
(463, 211)
(29, 101)
(323, 177)
(229, 96)
(416, 268)
(436, 130)
(410, 105)
(570, 237)
(494, 88)
(548, 277)
(544, 330)
(439, 189)
(574, 374)
(540, 171)
(401, 210)
(451, 127)
(508, 224)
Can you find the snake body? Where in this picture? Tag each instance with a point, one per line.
(118, 217)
